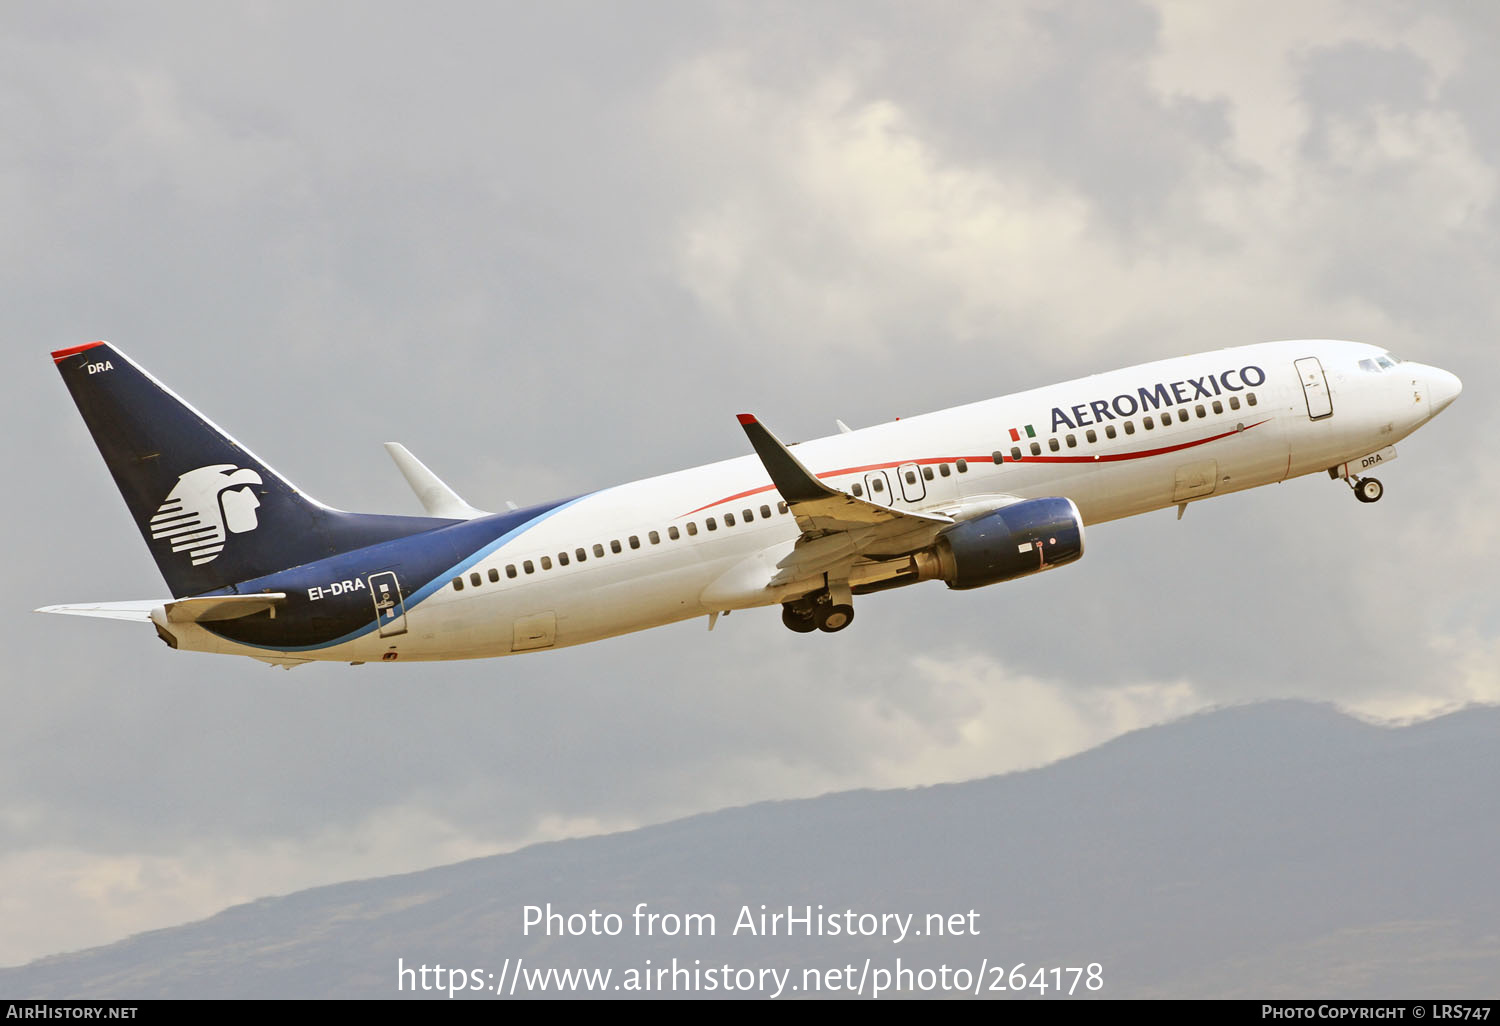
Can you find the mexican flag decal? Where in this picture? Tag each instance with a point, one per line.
(1015, 433)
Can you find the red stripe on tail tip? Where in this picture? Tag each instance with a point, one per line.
(747, 418)
(63, 354)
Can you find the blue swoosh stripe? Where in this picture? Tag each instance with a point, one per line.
(427, 590)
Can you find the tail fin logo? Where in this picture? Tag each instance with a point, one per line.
(207, 503)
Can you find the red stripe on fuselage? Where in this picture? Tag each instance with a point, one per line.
(1117, 457)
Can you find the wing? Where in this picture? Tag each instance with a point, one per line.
(837, 528)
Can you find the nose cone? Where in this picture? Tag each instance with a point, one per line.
(1442, 389)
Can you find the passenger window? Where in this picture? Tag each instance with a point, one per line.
(562, 559)
(858, 491)
(510, 570)
(911, 476)
(927, 473)
(782, 507)
(598, 551)
(1234, 402)
(654, 538)
(1250, 398)
(711, 524)
(1166, 418)
(1148, 423)
(458, 584)
(1015, 453)
(1072, 442)
(474, 579)
(944, 470)
(962, 465)
(1036, 448)
(546, 562)
(673, 533)
(635, 541)
(1218, 406)
(765, 512)
(1109, 431)
(747, 515)
(1130, 427)
(614, 545)
(582, 555)
(728, 519)
(998, 457)
(877, 485)
(1052, 443)
(1200, 411)
(528, 566)
(494, 575)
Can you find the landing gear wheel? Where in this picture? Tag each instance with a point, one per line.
(834, 618)
(798, 619)
(1369, 490)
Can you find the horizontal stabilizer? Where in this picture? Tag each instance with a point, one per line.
(193, 610)
(139, 610)
(437, 498)
(222, 607)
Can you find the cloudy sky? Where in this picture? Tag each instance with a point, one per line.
(555, 247)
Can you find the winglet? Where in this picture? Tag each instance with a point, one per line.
(437, 498)
(794, 481)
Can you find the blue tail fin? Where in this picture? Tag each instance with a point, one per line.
(211, 512)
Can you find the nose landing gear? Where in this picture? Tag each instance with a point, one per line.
(1366, 489)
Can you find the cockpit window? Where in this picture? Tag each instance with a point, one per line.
(1369, 365)
(1385, 361)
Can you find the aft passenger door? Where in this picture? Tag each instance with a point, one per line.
(390, 607)
(1314, 388)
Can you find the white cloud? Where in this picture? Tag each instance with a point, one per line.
(824, 219)
(1247, 52)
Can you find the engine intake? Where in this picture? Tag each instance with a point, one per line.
(1023, 538)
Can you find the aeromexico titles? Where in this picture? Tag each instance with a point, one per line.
(971, 496)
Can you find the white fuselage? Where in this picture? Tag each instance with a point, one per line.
(1247, 420)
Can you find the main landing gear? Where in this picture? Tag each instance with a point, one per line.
(1367, 489)
(829, 610)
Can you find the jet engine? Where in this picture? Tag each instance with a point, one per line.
(1022, 538)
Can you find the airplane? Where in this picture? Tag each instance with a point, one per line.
(971, 496)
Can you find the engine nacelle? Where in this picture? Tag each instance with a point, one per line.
(1022, 538)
